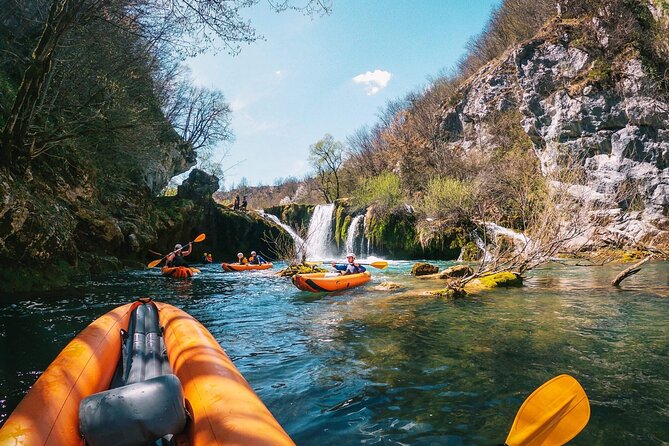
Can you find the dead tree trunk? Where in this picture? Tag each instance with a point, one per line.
(632, 270)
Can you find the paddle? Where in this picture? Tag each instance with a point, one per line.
(198, 239)
(379, 264)
(552, 415)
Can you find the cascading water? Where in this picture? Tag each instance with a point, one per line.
(299, 241)
(352, 233)
(319, 236)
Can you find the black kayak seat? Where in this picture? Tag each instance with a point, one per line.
(145, 401)
(133, 415)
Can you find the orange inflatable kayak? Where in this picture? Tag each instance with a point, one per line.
(320, 282)
(179, 272)
(74, 393)
(247, 267)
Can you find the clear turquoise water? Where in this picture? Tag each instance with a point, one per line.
(378, 367)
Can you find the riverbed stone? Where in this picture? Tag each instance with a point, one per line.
(423, 269)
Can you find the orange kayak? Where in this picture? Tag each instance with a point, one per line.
(319, 282)
(223, 407)
(179, 272)
(247, 267)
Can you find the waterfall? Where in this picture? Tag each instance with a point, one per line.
(299, 242)
(520, 241)
(319, 235)
(352, 233)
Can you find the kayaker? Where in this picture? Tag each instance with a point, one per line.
(256, 259)
(206, 258)
(176, 257)
(350, 267)
(241, 259)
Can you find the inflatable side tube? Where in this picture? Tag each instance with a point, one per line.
(224, 408)
(136, 414)
(49, 413)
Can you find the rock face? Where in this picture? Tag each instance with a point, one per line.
(581, 98)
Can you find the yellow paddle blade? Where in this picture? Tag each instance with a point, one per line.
(379, 265)
(154, 263)
(199, 238)
(552, 415)
(195, 271)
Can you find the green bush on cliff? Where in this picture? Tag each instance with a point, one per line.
(384, 191)
(448, 198)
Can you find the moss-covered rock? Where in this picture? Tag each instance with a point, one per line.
(423, 269)
(496, 280)
(294, 215)
(455, 271)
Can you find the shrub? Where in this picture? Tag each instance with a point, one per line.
(449, 198)
(383, 190)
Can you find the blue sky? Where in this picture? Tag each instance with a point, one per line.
(290, 89)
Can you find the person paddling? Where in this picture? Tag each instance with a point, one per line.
(176, 258)
(241, 259)
(351, 267)
(256, 259)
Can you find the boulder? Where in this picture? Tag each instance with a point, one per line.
(496, 280)
(423, 269)
(199, 186)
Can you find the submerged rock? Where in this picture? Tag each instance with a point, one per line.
(388, 286)
(423, 269)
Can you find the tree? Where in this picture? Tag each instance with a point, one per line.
(200, 116)
(326, 157)
(184, 26)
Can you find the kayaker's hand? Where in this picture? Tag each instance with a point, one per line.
(333, 264)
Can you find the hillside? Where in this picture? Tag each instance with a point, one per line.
(553, 124)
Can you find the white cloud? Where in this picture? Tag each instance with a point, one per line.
(374, 81)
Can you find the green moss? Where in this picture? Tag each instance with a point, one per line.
(600, 73)
(503, 279)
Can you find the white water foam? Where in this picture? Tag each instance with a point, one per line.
(319, 236)
(352, 233)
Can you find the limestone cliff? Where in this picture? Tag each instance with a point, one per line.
(586, 88)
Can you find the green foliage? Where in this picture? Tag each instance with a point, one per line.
(449, 198)
(383, 191)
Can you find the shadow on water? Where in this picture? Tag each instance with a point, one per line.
(397, 367)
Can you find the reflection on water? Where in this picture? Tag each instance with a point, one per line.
(395, 367)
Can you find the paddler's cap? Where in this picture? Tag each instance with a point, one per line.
(178, 247)
(253, 253)
(350, 254)
(239, 254)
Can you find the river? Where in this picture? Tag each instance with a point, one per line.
(396, 367)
